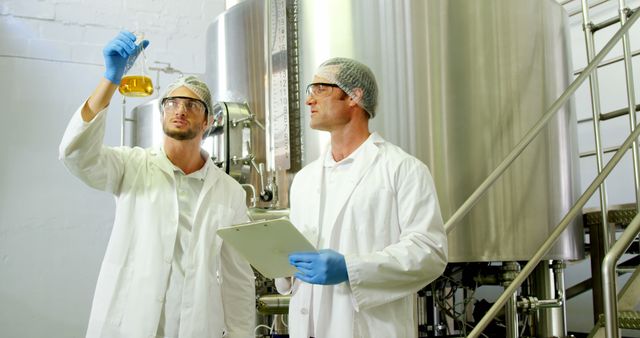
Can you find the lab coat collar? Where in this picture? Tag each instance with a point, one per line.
(363, 159)
(159, 159)
(211, 174)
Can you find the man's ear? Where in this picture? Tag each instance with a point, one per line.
(356, 96)
(211, 120)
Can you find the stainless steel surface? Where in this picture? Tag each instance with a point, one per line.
(232, 144)
(577, 207)
(619, 215)
(278, 112)
(273, 304)
(511, 308)
(609, 276)
(629, 296)
(595, 109)
(629, 320)
(148, 126)
(559, 315)
(605, 24)
(611, 114)
(123, 123)
(575, 210)
(543, 288)
(631, 98)
(261, 213)
(123, 119)
(549, 303)
(593, 152)
(511, 317)
(460, 84)
(609, 61)
(601, 246)
(253, 197)
(238, 69)
(592, 5)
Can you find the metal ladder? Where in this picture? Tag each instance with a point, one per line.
(630, 292)
(603, 255)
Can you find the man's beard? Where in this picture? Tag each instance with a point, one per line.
(180, 135)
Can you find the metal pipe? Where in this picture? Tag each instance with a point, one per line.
(547, 305)
(594, 4)
(253, 195)
(573, 212)
(595, 107)
(593, 152)
(609, 62)
(558, 276)
(594, 88)
(273, 304)
(481, 190)
(509, 273)
(631, 96)
(122, 120)
(605, 24)
(611, 114)
(534, 304)
(511, 316)
(609, 276)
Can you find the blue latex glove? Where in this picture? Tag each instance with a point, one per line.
(326, 267)
(117, 52)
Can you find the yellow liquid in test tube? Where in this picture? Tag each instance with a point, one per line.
(136, 86)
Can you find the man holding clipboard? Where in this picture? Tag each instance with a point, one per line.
(373, 216)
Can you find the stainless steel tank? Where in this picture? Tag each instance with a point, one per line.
(246, 66)
(461, 81)
(147, 125)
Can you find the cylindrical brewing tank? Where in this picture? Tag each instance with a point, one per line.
(147, 131)
(460, 83)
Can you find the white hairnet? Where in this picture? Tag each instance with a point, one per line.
(350, 74)
(195, 85)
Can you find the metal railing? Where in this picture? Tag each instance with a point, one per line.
(518, 149)
(609, 276)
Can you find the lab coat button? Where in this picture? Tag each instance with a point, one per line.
(304, 311)
(167, 260)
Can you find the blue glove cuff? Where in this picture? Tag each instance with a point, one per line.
(114, 77)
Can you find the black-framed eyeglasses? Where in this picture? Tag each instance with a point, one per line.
(320, 89)
(172, 103)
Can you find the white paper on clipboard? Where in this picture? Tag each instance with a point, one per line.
(266, 245)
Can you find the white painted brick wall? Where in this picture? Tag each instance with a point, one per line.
(51, 59)
(32, 9)
(75, 30)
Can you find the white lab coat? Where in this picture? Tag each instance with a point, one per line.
(391, 232)
(219, 289)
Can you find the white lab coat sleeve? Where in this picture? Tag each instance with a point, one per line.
(419, 256)
(82, 152)
(238, 284)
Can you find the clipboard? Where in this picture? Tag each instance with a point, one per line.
(266, 245)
